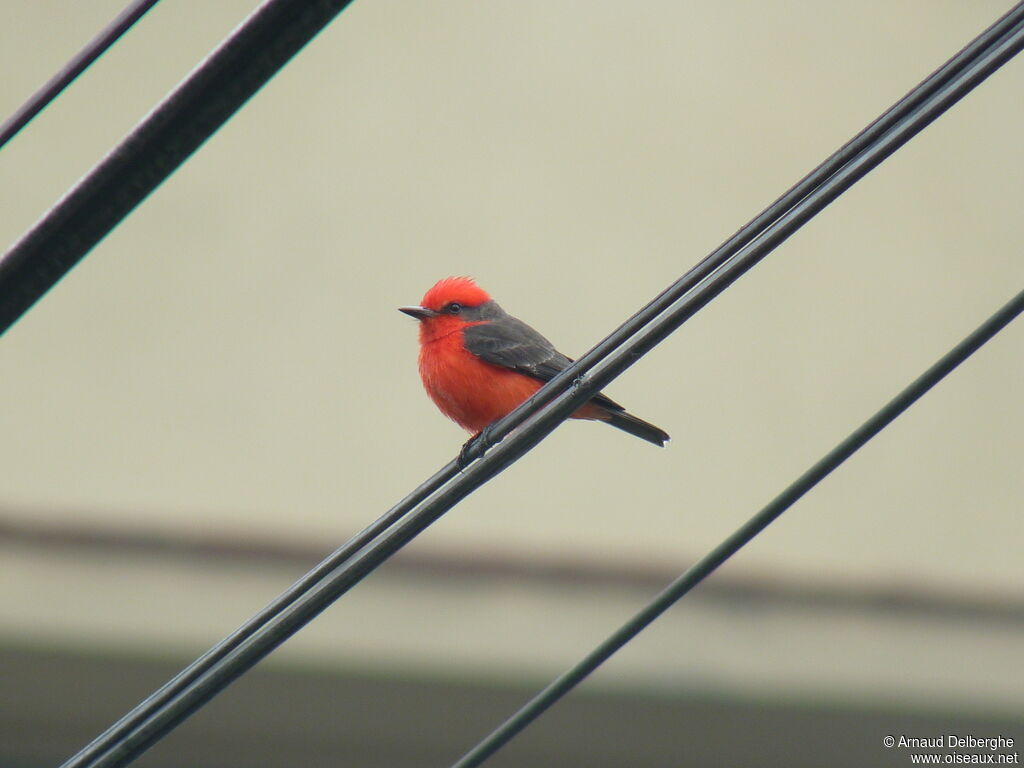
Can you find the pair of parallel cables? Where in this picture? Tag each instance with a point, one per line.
(211, 94)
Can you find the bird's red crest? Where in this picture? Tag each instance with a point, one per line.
(458, 289)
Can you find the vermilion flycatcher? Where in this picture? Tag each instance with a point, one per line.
(478, 362)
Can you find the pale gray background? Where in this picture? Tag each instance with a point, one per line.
(228, 365)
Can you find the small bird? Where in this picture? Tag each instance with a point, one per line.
(478, 363)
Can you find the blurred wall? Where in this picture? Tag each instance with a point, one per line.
(228, 365)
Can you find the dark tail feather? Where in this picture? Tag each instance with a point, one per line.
(642, 429)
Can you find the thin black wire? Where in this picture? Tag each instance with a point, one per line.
(165, 138)
(742, 536)
(117, 733)
(993, 37)
(990, 37)
(201, 681)
(78, 64)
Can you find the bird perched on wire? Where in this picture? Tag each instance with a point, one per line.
(478, 363)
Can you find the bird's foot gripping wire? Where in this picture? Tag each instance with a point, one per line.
(474, 448)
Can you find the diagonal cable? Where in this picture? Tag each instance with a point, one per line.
(53, 87)
(157, 715)
(742, 536)
(992, 39)
(992, 36)
(156, 147)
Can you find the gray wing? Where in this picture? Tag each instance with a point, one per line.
(511, 343)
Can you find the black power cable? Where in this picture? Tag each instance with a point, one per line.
(192, 113)
(742, 536)
(989, 40)
(78, 64)
(301, 603)
(992, 36)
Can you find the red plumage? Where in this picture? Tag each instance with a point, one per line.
(460, 289)
(478, 363)
(468, 391)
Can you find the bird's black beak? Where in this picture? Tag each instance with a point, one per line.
(420, 313)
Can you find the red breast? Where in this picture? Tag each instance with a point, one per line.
(470, 392)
